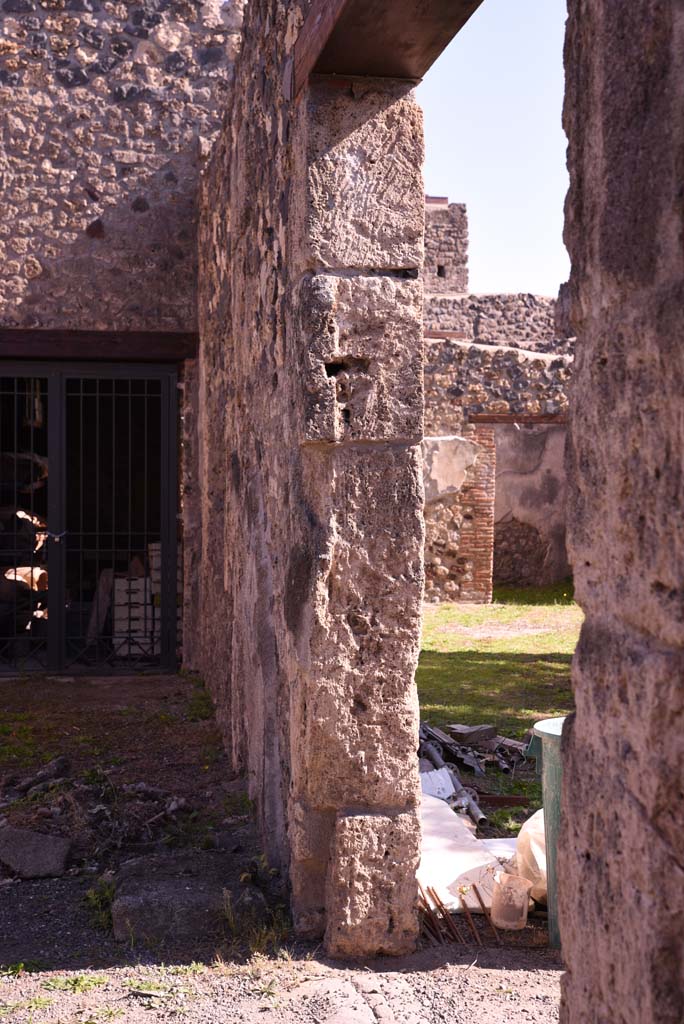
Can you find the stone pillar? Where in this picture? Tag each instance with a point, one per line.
(621, 863)
(309, 427)
(354, 789)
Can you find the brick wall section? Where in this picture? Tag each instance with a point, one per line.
(459, 538)
(477, 532)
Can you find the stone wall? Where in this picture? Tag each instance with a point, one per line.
(107, 109)
(529, 512)
(446, 247)
(519, 321)
(310, 388)
(464, 380)
(621, 853)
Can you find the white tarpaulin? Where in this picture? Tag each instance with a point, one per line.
(452, 857)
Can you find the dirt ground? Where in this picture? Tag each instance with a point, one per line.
(146, 773)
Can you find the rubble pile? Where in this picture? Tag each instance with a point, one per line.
(93, 821)
(460, 872)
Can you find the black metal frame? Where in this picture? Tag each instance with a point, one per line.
(57, 375)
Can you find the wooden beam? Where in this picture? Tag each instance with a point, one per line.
(559, 418)
(313, 38)
(112, 346)
(447, 336)
(377, 38)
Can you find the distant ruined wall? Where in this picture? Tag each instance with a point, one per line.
(518, 321)
(310, 399)
(446, 248)
(529, 511)
(106, 112)
(621, 852)
(464, 380)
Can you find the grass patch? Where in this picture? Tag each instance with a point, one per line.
(77, 983)
(200, 707)
(507, 663)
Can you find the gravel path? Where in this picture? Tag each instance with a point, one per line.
(296, 987)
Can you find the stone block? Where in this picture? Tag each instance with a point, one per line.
(371, 886)
(365, 358)
(366, 201)
(170, 898)
(356, 745)
(32, 854)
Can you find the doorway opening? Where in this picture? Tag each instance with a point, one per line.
(89, 572)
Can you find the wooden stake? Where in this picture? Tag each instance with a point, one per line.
(431, 915)
(487, 914)
(469, 916)
(448, 919)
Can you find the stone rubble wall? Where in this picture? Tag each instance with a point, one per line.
(463, 380)
(519, 321)
(446, 248)
(107, 111)
(310, 423)
(621, 850)
(459, 521)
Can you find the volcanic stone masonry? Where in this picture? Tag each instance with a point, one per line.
(502, 517)
(108, 111)
(310, 498)
(621, 852)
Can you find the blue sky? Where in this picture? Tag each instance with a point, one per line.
(494, 141)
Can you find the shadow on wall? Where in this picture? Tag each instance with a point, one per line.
(133, 266)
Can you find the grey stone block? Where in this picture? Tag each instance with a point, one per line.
(32, 854)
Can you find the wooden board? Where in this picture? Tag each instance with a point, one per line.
(517, 417)
(378, 38)
(112, 346)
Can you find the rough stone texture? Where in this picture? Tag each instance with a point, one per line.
(529, 510)
(621, 862)
(107, 111)
(309, 427)
(463, 379)
(370, 896)
(32, 854)
(520, 320)
(446, 248)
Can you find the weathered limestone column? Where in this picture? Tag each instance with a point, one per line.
(621, 864)
(309, 426)
(353, 796)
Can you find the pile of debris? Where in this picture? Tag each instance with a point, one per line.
(472, 748)
(460, 872)
(51, 822)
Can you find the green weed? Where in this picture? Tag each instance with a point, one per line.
(79, 983)
(99, 901)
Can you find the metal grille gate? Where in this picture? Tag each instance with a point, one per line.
(88, 503)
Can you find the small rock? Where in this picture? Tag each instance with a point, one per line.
(32, 854)
(59, 766)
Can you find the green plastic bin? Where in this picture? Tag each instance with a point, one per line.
(546, 747)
